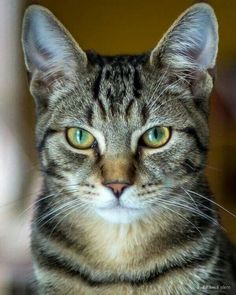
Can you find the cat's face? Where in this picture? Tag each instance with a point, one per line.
(121, 137)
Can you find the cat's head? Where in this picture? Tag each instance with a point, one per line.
(121, 137)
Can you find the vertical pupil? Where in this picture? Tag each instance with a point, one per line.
(155, 133)
(79, 135)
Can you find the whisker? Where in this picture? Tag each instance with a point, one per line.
(183, 204)
(166, 207)
(72, 209)
(232, 214)
(59, 210)
(190, 197)
(198, 213)
(52, 213)
(37, 202)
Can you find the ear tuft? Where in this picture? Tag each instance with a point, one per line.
(191, 43)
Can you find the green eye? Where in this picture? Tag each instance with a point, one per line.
(156, 137)
(79, 138)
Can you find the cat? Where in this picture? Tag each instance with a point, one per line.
(125, 206)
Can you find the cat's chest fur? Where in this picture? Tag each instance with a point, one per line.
(128, 255)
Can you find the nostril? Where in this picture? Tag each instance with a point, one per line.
(117, 187)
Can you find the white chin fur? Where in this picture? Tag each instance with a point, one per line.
(119, 214)
(123, 211)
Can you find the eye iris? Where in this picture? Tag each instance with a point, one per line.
(156, 137)
(79, 138)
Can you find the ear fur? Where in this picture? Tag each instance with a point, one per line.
(191, 43)
(51, 54)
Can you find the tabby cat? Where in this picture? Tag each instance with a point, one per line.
(125, 205)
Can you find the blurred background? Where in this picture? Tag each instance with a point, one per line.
(108, 27)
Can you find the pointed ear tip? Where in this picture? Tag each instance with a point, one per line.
(33, 15)
(203, 8)
(35, 10)
(207, 13)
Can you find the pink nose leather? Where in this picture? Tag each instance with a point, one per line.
(117, 187)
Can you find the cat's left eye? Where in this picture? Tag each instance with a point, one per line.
(79, 138)
(156, 137)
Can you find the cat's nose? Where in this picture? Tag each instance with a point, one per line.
(117, 187)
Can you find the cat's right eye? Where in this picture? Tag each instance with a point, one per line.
(79, 138)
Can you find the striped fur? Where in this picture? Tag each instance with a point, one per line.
(171, 240)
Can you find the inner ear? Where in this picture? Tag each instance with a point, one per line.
(191, 44)
(52, 56)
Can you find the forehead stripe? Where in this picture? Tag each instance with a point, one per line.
(96, 85)
(42, 143)
(137, 84)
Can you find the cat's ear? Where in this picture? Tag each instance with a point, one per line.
(52, 56)
(191, 44)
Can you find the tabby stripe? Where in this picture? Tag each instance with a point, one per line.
(107, 74)
(137, 84)
(200, 106)
(89, 115)
(144, 114)
(52, 261)
(47, 133)
(190, 167)
(129, 108)
(192, 132)
(221, 263)
(58, 234)
(189, 233)
(52, 170)
(102, 108)
(197, 227)
(96, 85)
(70, 156)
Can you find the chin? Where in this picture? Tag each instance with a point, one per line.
(119, 214)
